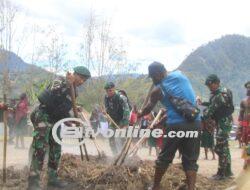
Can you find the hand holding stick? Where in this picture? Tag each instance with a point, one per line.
(143, 138)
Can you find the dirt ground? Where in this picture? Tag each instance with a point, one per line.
(19, 158)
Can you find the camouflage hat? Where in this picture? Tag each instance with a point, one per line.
(81, 70)
(212, 79)
(247, 85)
(109, 85)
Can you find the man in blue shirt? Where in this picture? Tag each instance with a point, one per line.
(178, 85)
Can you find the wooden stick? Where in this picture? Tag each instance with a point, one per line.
(73, 98)
(136, 146)
(93, 138)
(125, 150)
(86, 152)
(4, 141)
(120, 155)
(109, 118)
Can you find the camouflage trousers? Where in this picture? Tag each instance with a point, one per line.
(44, 142)
(222, 146)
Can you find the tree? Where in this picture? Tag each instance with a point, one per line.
(51, 53)
(103, 53)
(8, 13)
(54, 51)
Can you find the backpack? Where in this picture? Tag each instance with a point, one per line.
(115, 108)
(57, 106)
(123, 92)
(226, 109)
(182, 106)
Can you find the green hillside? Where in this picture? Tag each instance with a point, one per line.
(228, 57)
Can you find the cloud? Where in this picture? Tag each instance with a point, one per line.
(165, 33)
(163, 30)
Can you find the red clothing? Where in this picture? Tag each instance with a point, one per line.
(244, 123)
(133, 118)
(160, 140)
(21, 110)
(245, 134)
(244, 119)
(2, 106)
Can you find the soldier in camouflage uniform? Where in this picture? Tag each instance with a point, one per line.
(55, 104)
(220, 108)
(117, 106)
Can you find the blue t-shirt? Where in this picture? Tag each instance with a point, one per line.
(176, 84)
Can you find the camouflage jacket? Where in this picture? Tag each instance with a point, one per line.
(219, 100)
(118, 109)
(56, 99)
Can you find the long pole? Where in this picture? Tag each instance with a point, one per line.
(93, 138)
(122, 156)
(4, 142)
(109, 118)
(136, 146)
(73, 98)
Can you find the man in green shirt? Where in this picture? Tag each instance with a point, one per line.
(117, 108)
(220, 108)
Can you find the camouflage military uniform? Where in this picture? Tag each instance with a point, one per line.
(118, 109)
(224, 124)
(43, 119)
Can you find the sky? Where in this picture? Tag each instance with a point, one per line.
(153, 30)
